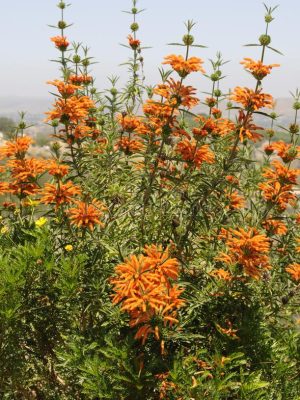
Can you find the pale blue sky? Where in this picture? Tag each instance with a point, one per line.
(223, 25)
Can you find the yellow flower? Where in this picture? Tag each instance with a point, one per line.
(41, 221)
(4, 229)
(69, 247)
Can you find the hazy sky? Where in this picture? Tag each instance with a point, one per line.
(221, 25)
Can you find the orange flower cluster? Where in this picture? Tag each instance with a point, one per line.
(65, 89)
(278, 189)
(294, 271)
(60, 42)
(221, 274)
(86, 215)
(184, 67)
(133, 43)
(236, 201)
(73, 109)
(60, 193)
(257, 68)
(275, 227)
(129, 146)
(190, 152)
(128, 123)
(24, 172)
(57, 170)
(80, 79)
(286, 151)
(177, 94)
(248, 249)
(144, 285)
(16, 147)
(250, 99)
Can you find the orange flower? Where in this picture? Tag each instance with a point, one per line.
(228, 331)
(177, 94)
(65, 89)
(4, 188)
(235, 200)
(26, 170)
(129, 123)
(86, 215)
(278, 194)
(221, 274)
(251, 100)
(257, 68)
(133, 43)
(281, 173)
(60, 42)
(158, 110)
(74, 109)
(249, 249)
(16, 147)
(286, 151)
(59, 194)
(184, 67)
(80, 79)
(144, 285)
(275, 227)
(190, 152)
(129, 146)
(57, 170)
(294, 271)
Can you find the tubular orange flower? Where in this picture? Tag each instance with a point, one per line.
(80, 79)
(275, 227)
(177, 94)
(26, 170)
(190, 152)
(257, 68)
(65, 89)
(286, 151)
(16, 147)
(60, 42)
(144, 286)
(129, 123)
(133, 43)
(86, 215)
(278, 194)
(294, 271)
(57, 170)
(4, 188)
(184, 67)
(235, 200)
(129, 146)
(251, 100)
(221, 274)
(74, 109)
(249, 249)
(59, 194)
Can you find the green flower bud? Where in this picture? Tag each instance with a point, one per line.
(296, 105)
(55, 146)
(294, 128)
(61, 5)
(215, 76)
(273, 115)
(113, 91)
(62, 24)
(188, 39)
(270, 132)
(265, 40)
(55, 123)
(93, 90)
(268, 18)
(292, 153)
(229, 104)
(22, 125)
(101, 121)
(217, 93)
(76, 59)
(134, 10)
(134, 27)
(86, 62)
